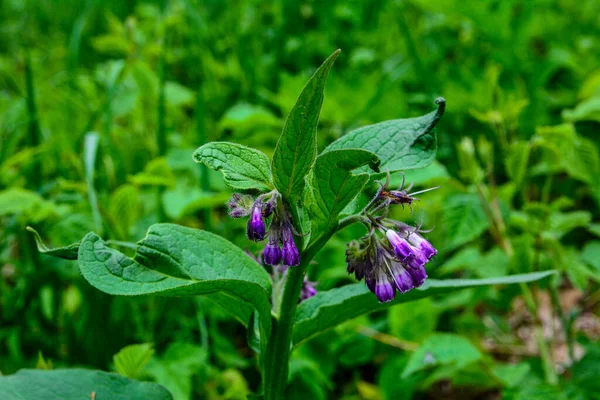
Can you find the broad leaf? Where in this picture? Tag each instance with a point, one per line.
(400, 144)
(464, 219)
(296, 149)
(242, 167)
(332, 307)
(334, 185)
(64, 384)
(178, 261)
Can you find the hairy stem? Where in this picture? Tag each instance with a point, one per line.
(277, 357)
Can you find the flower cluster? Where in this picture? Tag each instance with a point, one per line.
(393, 255)
(280, 231)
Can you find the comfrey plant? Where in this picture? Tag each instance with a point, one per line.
(294, 202)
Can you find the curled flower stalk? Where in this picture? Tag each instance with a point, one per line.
(281, 247)
(393, 255)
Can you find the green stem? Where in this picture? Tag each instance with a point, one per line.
(278, 350)
(35, 135)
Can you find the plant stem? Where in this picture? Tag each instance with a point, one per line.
(34, 137)
(278, 350)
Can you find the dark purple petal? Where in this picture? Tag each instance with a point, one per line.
(290, 254)
(402, 278)
(256, 225)
(401, 247)
(419, 275)
(272, 253)
(384, 291)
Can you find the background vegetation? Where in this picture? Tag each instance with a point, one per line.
(103, 103)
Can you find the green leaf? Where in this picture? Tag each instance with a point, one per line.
(412, 321)
(400, 144)
(332, 307)
(67, 252)
(130, 360)
(442, 349)
(242, 167)
(178, 261)
(463, 220)
(67, 384)
(296, 149)
(175, 368)
(516, 161)
(334, 185)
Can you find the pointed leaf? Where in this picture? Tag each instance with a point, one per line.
(296, 149)
(332, 307)
(61, 384)
(67, 252)
(242, 167)
(334, 185)
(177, 261)
(400, 144)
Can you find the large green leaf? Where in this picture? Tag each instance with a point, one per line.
(334, 185)
(330, 308)
(464, 219)
(400, 144)
(242, 167)
(177, 261)
(75, 384)
(296, 149)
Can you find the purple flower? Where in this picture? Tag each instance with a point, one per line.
(272, 253)
(419, 275)
(256, 225)
(402, 278)
(384, 289)
(401, 247)
(308, 290)
(422, 245)
(289, 252)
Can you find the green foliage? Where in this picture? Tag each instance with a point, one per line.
(400, 144)
(242, 167)
(330, 308)
(334, 186)
(296, 149)
(103, 104)
(131, 360)
(77, 383)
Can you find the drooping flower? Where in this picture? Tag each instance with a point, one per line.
(393, 255)
(272, 253)
(256, 225)
(289, 252)
(423, 245)
(401, 247)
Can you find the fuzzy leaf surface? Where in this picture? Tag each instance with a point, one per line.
(400, 144)
(173, 260)
(60, 384)
(296, 149)
(242, 167)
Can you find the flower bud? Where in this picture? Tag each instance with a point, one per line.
(240, 205)
(308, 290)
(256, 225)
(272, 253)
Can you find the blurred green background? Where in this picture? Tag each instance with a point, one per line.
(103, 103)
